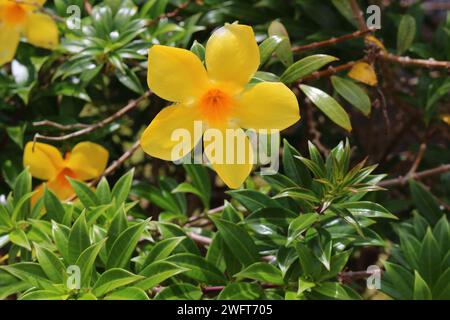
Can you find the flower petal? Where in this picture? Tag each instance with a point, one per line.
(41, 31)
(232, 54)
(173, 133)
(267, 105)
(44, 161)
(230, 153)
(175, 74)
(88, 160)
(9, 40)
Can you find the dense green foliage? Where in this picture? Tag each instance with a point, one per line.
(155, 230)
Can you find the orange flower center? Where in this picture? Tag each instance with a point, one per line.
(216, 106)
(13, 14)
(62, 177)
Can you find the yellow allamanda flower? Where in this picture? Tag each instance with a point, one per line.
(23, 18)
(85, 162)
(219, 96)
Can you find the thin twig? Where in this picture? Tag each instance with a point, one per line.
(124, 157)
(358, 14)
(330, 71)
(350, 276)
(87, 7)
(130, 106)
(402, 180)
(201, 240)
(332, 41)
(419, 157)
(407, 61)
(64, 127)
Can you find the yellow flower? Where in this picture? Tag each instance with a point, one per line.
(22, 18)
(86, 161)
(218, 96)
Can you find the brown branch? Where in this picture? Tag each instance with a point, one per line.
(350, 276)
(419, 157)
(402, 180)
(330, 71)
(130, 106)
(407, 61)
(60, 126)
(201, 240)
(87, 7)
(332, 41)
(358, 14)
(124, 157)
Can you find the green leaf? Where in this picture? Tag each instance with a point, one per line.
(121, 189)
(305, 67)
(21, 207)
(200, 269)
(51, 264)
(441, 289)
(113, 279)
(345, 9)
(84, 193)
(157, 272)
(5, 219)
(406, 33)
(397, 281)
(183, 291)
(131, 293)
(162, 249)
(78, 238)
(199, 50)
(253, 200)
(241, 291)
(284, 50)
(309, 263)
(124, 246)
(118, 224)
(429, 259)
(16, 134)
(60, 235)
(44, 295)
(328, 106)
(55, 210)
(169, 230)
(336, 291)
(30, 273)
(86, 261)
(130, 80)
(103, 192)
(353, 93)
(294, 168)
(298, 193)
(264, 272)
(200, 181)
(22, 186)
(367, 209)
(300, 225)
(19, 237)
(268, 47)
(421, 289)
(238, 241)
(425, 202)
